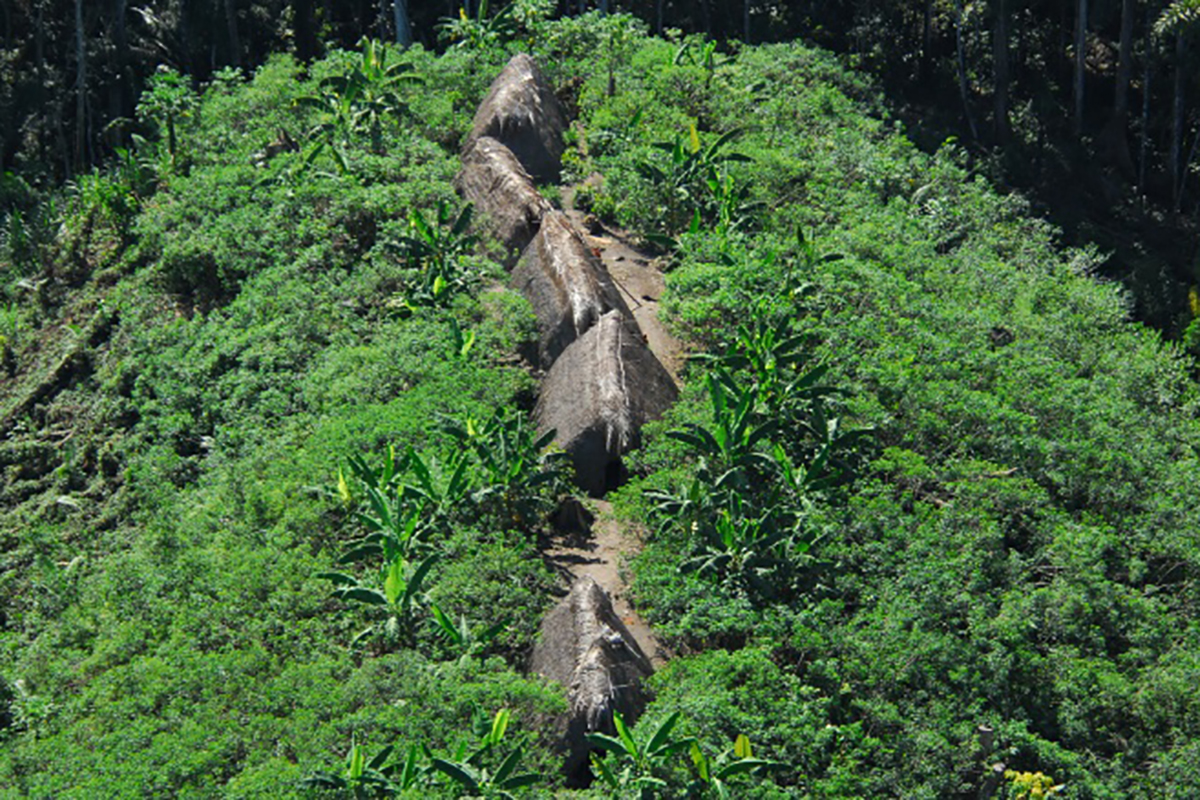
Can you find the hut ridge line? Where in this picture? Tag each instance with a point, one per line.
(601, 381)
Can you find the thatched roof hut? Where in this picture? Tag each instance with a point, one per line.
(502, 191)
(522, 112)
(599, 394)
(584, 646)
(566, 284)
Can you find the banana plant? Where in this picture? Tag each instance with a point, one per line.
(704, 55)
(771, 357)
(462, 341)
(481, 32)
(729, 452)
(742, 546)
(136, 166)
(517, 469)
(683, 178)
(168, 100)
(714, 774)
(361, 778)
(472, 775)
(438, 501)
(829, 447)
(684, 509)
(799, 265)
(462, 636)
(629, 764)
(734, 210)
(402, 584)
(435, 249)
(359, 100)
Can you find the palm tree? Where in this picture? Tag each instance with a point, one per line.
(1181, 14)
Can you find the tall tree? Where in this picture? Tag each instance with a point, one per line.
(1081, 22)
(1124, 63)
(80, 89)
(1000, 69)
(306, 36)
(1116, 134)
(121, 100)
(231, 25)
(961, 53)
(403, 29)
(1178, 19)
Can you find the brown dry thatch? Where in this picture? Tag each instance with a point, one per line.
(522, 112)
(585, 647)
(502, 191)
(599, 394)
(568, 286)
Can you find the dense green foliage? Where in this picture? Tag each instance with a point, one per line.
(924, 507)
(1088, 106)
(1016, 549)
(232, 334)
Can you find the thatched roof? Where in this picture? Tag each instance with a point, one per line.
(502, 191)
(522, 112)
(584, 646)
(566, 284)
(599, 394)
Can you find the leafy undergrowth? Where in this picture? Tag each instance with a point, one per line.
(926, 508)
(994, 560)
(244, 316)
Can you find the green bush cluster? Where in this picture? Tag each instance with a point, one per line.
(1016, 551)
(163, 631)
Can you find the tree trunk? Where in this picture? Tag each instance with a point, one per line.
(746, 22)
(184, 36)
(235, 42)
(1144, 139)
(1124, 64)
(926, 40)
(963, 88)
(1177, 121)
(1116, 132)
(80, 89)
(1001, 71)
(306, 38)
(39, 62)
(403, 31)
(1081, 21)
(1191, 156)
(658, 27)
(119, 93)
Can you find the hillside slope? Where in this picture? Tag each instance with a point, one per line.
(968, 539)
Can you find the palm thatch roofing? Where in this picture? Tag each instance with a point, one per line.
(566, 284)
(586, 647)
(501, 189)
(522, 112)
(600, 392)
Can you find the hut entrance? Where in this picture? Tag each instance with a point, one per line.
(615, 475)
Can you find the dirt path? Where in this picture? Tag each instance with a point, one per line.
(599, 553)
(640, 281)
(601, 549)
